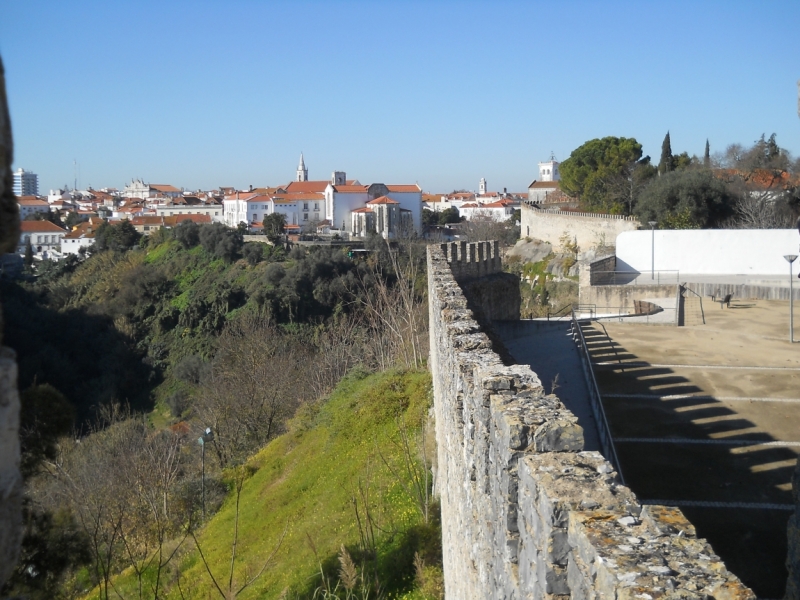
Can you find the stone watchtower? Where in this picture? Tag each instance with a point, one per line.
(302, 171)
(482, 186)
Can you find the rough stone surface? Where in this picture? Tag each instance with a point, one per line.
(526, 514)
(793, 537)
(10, 480)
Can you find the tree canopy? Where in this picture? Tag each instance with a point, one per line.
(593, 171)
(686, 199)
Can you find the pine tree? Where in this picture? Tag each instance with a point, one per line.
(707, 156)
(665, 164)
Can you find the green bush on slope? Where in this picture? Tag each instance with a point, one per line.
(309, 482)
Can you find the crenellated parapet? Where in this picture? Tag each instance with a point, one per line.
(471, 260)
(526, 513)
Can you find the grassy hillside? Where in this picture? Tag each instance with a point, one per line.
(309, 482)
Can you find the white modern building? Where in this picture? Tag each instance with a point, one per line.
(191, 205)
(26, 183)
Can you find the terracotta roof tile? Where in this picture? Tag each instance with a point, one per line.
(306, 186)
(36, 226)
(404, 188)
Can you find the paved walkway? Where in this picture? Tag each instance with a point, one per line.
(548, 349)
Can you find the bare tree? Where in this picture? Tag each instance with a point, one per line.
(256, 381)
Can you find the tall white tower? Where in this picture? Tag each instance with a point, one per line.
(548, 171)
(482, 186)
(302, 172)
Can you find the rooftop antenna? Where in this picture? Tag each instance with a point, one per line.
(74, 174)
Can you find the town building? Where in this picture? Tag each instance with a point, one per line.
(29, 205)
(81, 236)
(139, 189)
(25, 183)
(547, 189)
(192, 205)
(148, 224)
(44, 236)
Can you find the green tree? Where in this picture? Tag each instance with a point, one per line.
(707, 156)
(28, 253)
(665, 164)
(449, 215)
(590, 170)
(686, 199)
(119, 237)
(253, 252)
(274, 226)
(220, 241)
(187, 233)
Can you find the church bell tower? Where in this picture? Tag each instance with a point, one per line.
(302, 172)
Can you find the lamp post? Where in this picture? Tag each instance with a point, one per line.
(207, 436)
(790, 258)
(652, 249)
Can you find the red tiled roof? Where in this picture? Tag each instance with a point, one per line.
(306, 186)
(31, 201)
(175, 220)
(545, 184)
(350, 189)
(383, 200)
(258, 198)
(363, 209)
(36, 226)
(404, 188)
(162, 187)
(85, 230)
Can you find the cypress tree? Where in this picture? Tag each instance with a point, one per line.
(665, 164)
(707, 156)
(28, 261)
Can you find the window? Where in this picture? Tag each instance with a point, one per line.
(305, 205)
(316, 205)
(305, 216)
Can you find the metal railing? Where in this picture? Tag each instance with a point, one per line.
(595, 400)
(702, 312)
(567, 309)
(634, 277)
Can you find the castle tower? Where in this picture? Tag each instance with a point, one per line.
(548, 171)
(302, 172)
(482, 186)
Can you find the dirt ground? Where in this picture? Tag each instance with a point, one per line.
(696, 412)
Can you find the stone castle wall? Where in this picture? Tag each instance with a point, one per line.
(526, 514)
(10, 479)
(589, 229)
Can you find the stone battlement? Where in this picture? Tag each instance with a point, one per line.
(526, 513)
(472, 260)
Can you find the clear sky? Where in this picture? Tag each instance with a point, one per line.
(205, 93)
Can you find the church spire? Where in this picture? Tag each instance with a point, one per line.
(302, 171)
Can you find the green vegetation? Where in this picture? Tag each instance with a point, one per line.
(606, 174)
(146, 346)
(743, 187)
(337, 478)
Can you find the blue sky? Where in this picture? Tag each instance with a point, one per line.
(207, 93)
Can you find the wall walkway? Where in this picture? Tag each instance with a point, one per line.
(526, 513)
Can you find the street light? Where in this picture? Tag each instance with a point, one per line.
(207, 436)
(790, 258)
(652, 249)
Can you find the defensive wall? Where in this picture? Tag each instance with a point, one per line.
(10, 479)
(589, 229)
(526, 513)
